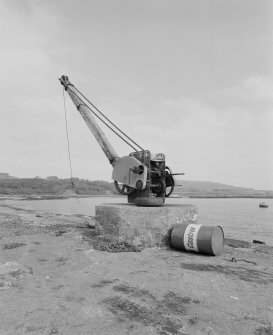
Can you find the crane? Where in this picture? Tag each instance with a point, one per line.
(140, 175)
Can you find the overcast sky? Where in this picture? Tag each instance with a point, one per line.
(190, 78)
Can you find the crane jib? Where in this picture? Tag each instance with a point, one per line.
(84, 105)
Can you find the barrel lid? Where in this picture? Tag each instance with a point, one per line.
(217, 240)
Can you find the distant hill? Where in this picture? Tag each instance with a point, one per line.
(208, 189)
(54, 186)
(5, 176)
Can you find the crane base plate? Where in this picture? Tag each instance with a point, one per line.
(149, 202)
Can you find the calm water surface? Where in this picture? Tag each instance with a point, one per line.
(240, 218)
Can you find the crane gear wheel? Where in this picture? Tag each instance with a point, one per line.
(169, 183)
(123, 189)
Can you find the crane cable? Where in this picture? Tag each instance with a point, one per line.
(115, 126)
(69, 158)
(107, 125)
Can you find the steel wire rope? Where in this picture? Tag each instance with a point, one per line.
(128, 137)
(69, 156)
(107, 125)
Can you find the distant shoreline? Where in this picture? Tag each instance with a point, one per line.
(60, 197)
(224, 197)
(52, 197)
(56, 188)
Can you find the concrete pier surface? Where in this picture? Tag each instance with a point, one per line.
(55, 279)
(142, 226)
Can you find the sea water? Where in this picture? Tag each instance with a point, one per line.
(239, 218)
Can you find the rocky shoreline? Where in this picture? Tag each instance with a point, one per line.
(57, 276)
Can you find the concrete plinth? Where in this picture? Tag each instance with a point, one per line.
(142, 226)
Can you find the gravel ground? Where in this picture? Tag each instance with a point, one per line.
(58, 276)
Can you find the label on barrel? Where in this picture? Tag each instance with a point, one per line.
(190, 237)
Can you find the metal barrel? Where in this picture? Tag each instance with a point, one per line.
(199, 238)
